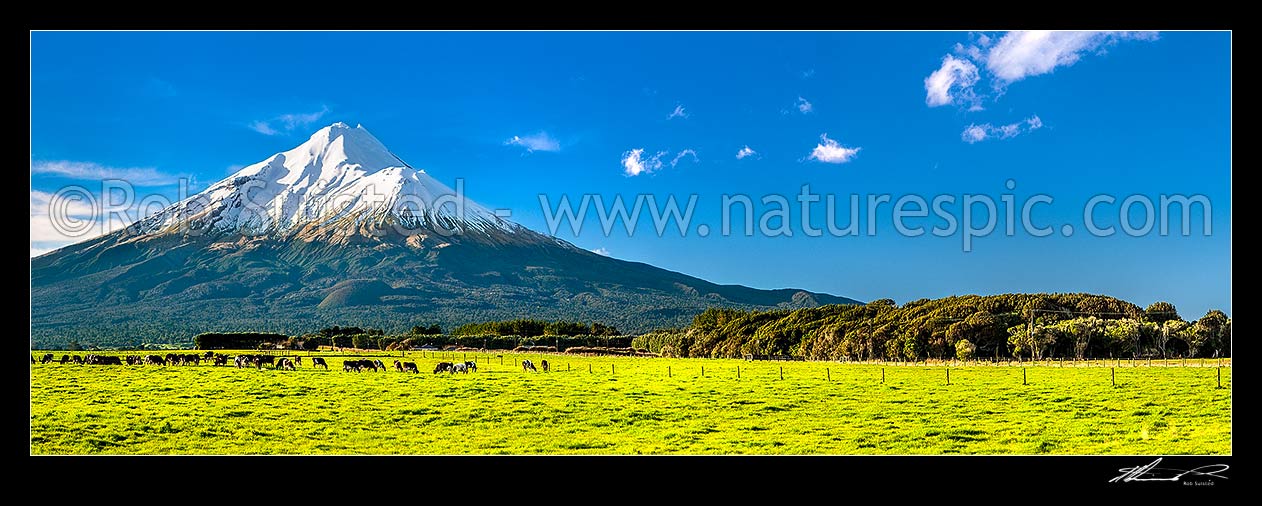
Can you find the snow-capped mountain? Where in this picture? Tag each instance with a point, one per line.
(340, 231)
(339, 173)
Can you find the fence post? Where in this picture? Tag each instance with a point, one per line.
(829, 373)
(1220, 377)
(948, 371)
(1023, 376)
(1113, 374)
(612, 368)
(781, 372)
(668, 371)
(882, 375)
(703, 371)
(738, 372)
(589, 367)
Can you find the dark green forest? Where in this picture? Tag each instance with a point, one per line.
(1071, 325)
(498, 335)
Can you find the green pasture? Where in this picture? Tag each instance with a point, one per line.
(621, 405)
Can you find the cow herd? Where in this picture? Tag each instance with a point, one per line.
(257, 361)
(455, 367)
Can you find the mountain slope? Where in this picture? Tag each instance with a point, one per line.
(340, 231)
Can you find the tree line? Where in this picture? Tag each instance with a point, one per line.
(534, 328)
(561, 334)
(1069, 325)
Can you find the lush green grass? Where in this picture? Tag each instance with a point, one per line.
(633, 408)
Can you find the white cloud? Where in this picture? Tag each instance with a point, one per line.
(679, 112)
(744, 152)
(78, 220)
(288, 122)
(88, 171)
(634, 163)
(952, 83)
(1011, 58)
(263, 128)
(804, 106)
(292, 121)
(71, 216)
(601, 251)
(972, 52)
(537, 142)
(1021, 54)
(830, 151)
(682, 154)
(975, 133)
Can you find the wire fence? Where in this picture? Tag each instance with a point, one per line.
(497, 363)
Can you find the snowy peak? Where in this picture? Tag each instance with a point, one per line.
(340, 172)
(330, 152)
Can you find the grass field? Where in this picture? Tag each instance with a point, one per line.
(630, 406)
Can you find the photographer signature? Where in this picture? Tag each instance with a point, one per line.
(1151, 472)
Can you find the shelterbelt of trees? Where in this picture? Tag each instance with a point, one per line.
(1039, 326)
(504, 335)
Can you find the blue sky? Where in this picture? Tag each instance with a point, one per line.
(925, 113)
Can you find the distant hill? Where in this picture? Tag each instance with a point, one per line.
(340, 231)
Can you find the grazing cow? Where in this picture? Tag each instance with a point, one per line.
(442, 367)
(411, 367)
(64, 359)
(398, 366)
(459, 367)
(209, 355)
(298, 361)
(46, 359)
(103, 360)
(359, 365)
(285, 364)
(319, 362)
(77, 359)
(473, 366)
(155, 360)
(378, 365)
(544, 364)
(221, 360)
(527, 365)
(259, 360)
